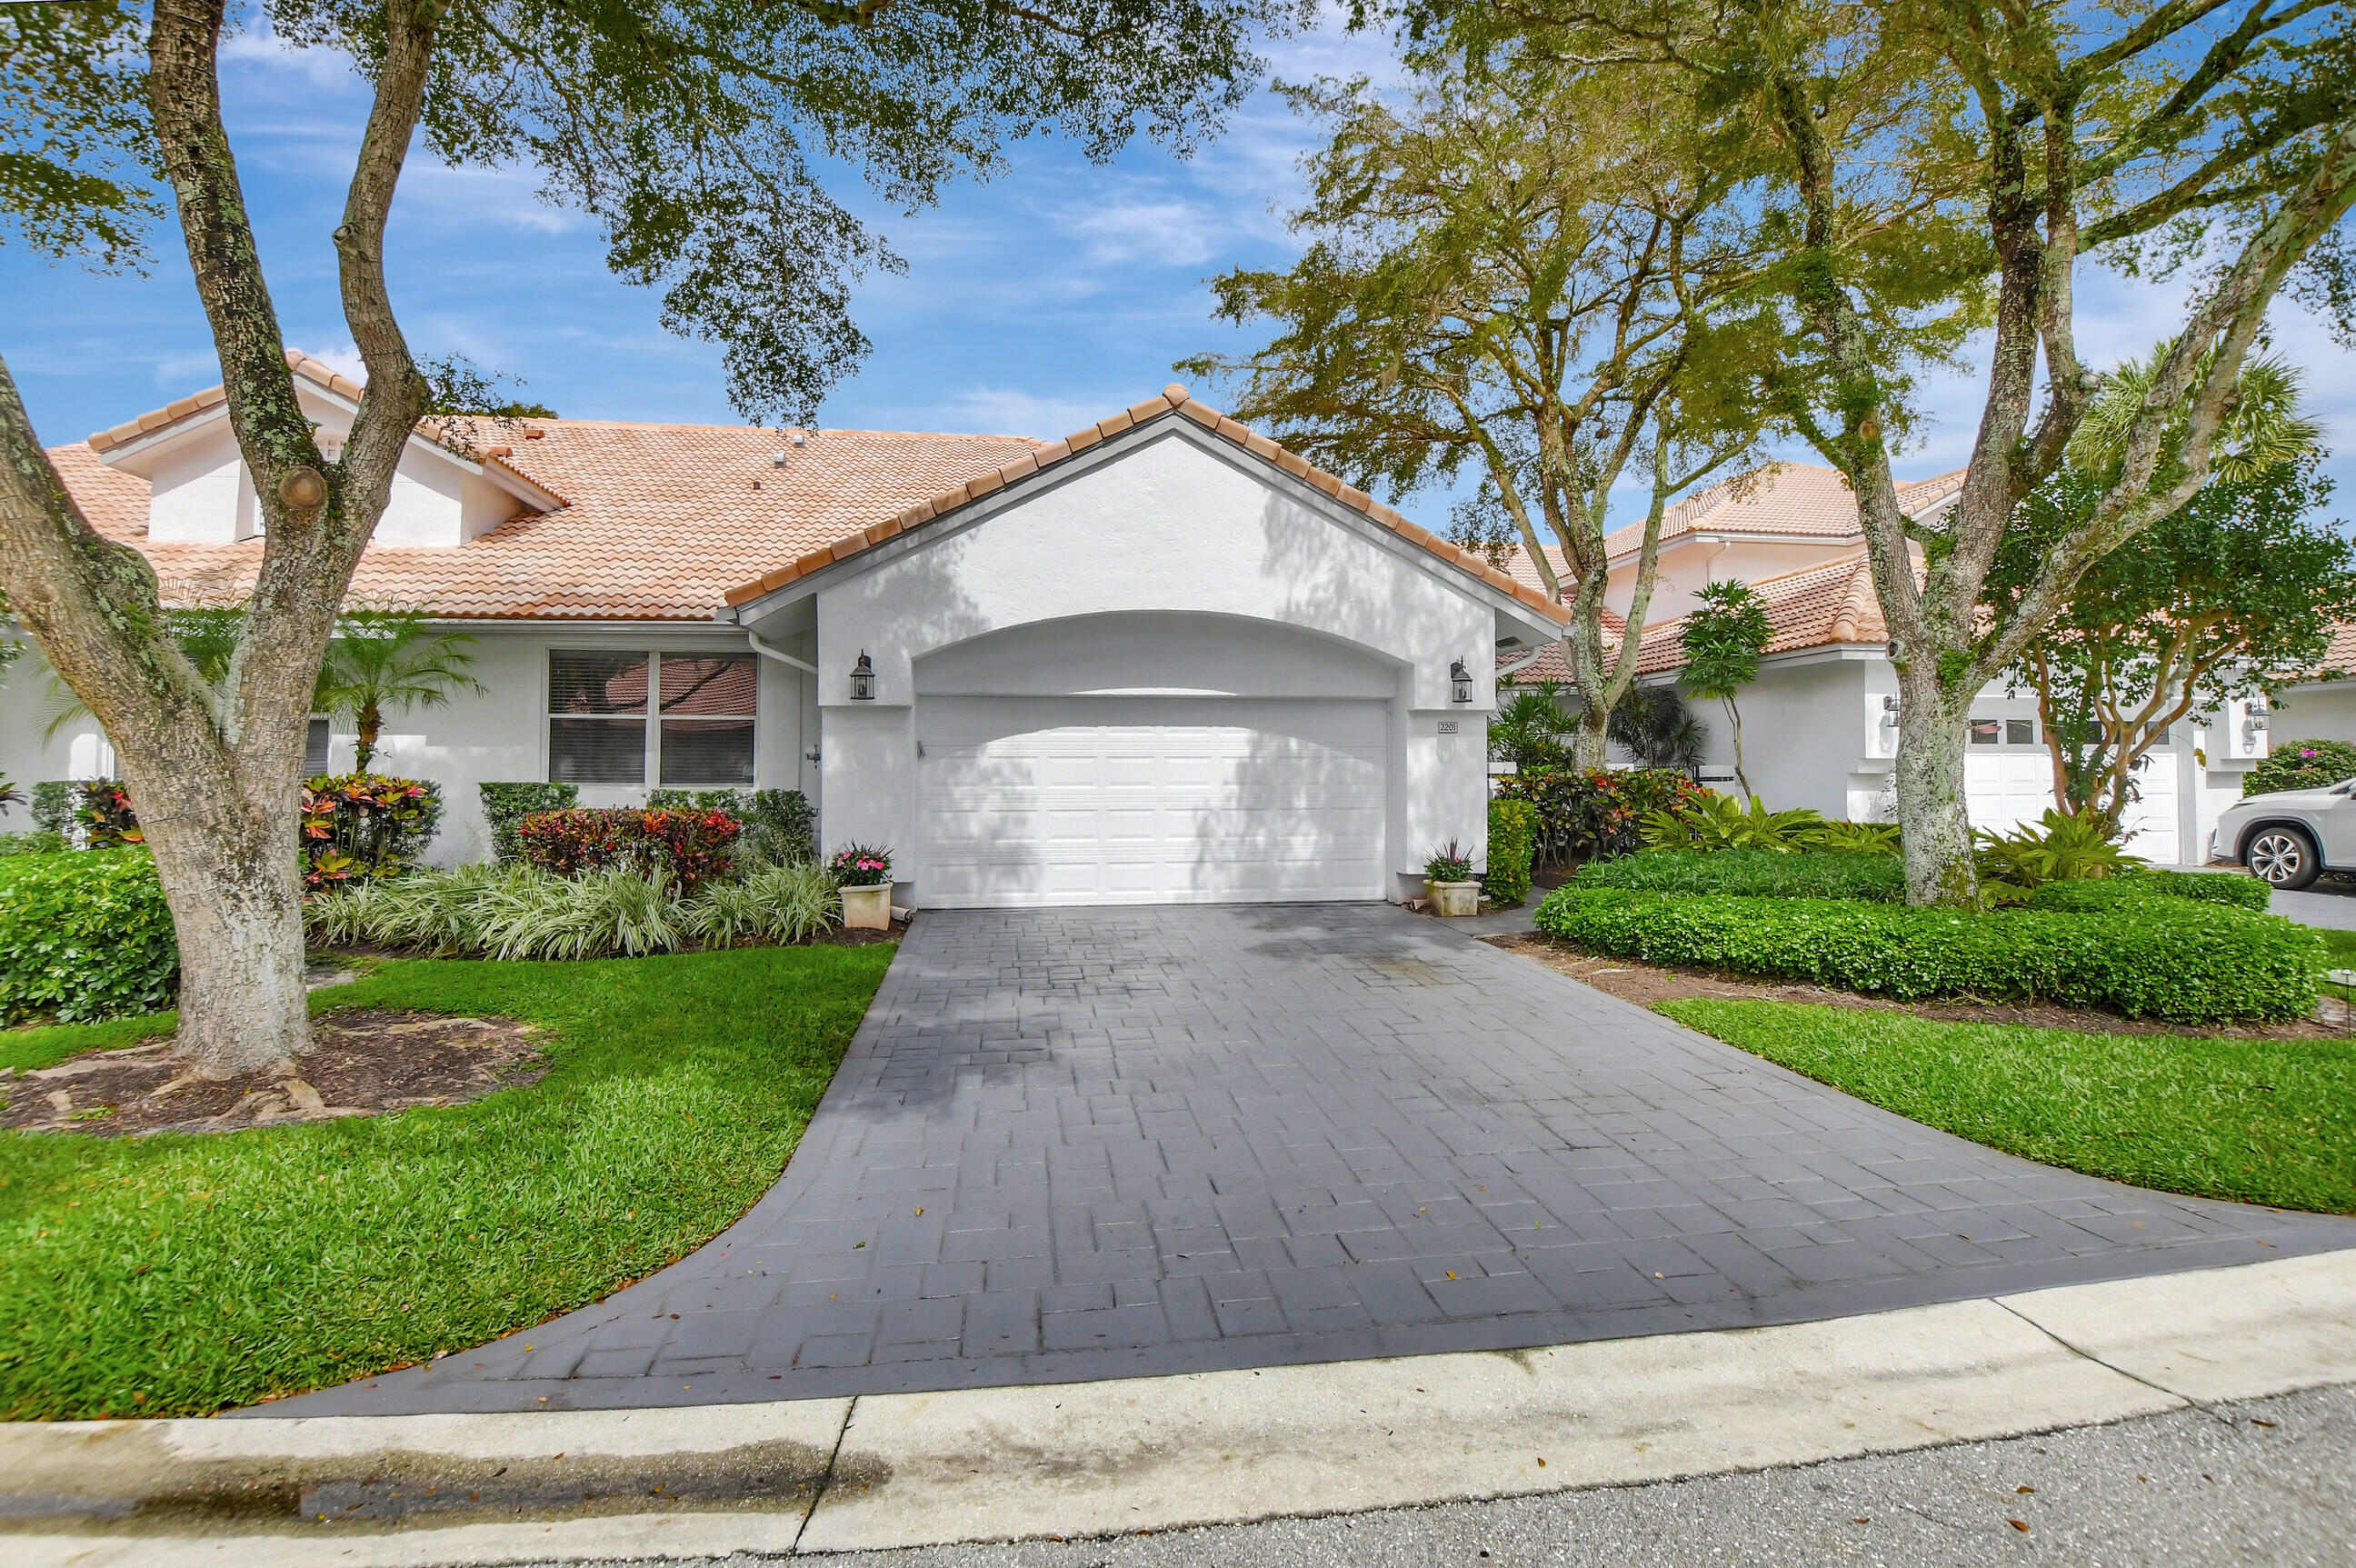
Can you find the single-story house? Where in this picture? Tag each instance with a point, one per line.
(1162, 660)
(1820, 726)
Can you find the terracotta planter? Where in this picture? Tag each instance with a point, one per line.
(868, 908)
(1455, 898)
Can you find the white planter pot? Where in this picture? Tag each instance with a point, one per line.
(868, 908)
(1455, 898)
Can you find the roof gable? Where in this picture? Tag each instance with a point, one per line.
(1174, 401)
(1781, 501)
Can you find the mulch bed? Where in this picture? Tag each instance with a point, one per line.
(363, 1062)
(1645, 985)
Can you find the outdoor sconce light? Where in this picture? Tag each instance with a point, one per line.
(1460, 682)
(863, 679)
(1889, 712)
(2254, 723)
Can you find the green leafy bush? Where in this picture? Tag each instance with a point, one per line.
(364, 825)
(2055, 849)
(1719, 822)
(1858, 838)
(773, 902)
(2297, 765)
(1513, 825)
(614, 912)
(2175, 959)
(1752, 874)
(505, 806)
(35, 842)
(1591, 814)
(53, 805)
(85, 936)
(2084, 897)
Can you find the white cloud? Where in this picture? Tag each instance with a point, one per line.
(1010, 410)
(344, 362)
(182, 373)
(317, 63)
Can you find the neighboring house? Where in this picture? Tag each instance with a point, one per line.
(1820, 726)
(1163, 659)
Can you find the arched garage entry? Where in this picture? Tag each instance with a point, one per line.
(1150, 757)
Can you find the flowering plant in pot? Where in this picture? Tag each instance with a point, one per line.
(1449, 881)
(863, 873)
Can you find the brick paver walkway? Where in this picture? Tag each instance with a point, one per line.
(1104, 1143)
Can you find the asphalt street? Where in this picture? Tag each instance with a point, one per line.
(2262, 1481)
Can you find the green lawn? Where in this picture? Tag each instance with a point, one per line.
(2341, 945)
(2265, 1122)
(179, 1274)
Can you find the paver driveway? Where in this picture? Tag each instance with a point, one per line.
(1080, 1144)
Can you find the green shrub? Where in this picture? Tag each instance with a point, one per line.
(505, 806)
(692, 847)
(772, 903)
(2296, 764)
(102, 817)
(2175, 959)
(1591, 814)
(2054, 849)
(85, 936)
(1513, 825)
(35, 842)
(1752, 874)
(53, 805)
(2201, 886)
(615, 912)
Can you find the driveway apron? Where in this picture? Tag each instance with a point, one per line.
(1082, 1143)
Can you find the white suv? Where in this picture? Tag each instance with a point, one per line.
(2293, 837)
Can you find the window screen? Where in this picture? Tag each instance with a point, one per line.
(1987, 732)
(315, 748)
(2020, 732)
(597, 718)
(708, 707)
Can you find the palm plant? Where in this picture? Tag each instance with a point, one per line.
(1533, 729)
(1653, 723)
(383, 658)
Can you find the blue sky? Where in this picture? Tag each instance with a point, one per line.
(1032, 305)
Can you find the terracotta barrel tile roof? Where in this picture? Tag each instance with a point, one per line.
(1833, 603)
(1174, 399)
(672, 521)
(1802, 500)
(664, 520)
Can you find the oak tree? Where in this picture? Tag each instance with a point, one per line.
(2210, 139)
(691, 131)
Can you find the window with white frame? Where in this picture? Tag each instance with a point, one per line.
(704, 712)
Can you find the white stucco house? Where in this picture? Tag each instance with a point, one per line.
(1820, 726)
(1163, 659)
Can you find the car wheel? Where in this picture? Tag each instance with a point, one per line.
(2283, 857)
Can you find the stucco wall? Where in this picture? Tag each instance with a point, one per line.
(1175, 527)
(501, 734)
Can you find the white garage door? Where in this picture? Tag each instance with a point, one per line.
(1031, 801)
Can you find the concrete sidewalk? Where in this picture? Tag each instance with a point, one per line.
(1114, 1457)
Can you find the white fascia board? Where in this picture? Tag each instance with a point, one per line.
(1511, 611)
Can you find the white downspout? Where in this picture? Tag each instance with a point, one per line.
(774, 652)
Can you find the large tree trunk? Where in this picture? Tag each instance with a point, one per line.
(1936, 830)
(215, 768)
(230, 875)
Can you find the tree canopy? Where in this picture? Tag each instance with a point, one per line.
(2211, 140)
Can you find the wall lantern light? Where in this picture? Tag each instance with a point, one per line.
(863, 679)
(1460, 682)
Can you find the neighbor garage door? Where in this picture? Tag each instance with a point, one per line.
(1027, 801)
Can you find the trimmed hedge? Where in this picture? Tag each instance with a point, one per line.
(1513, 825)
(1752, 874)
(780, 825)
(693, 846)
(2084, 896)
(2175, 959)
(505, 806)
(84, 935)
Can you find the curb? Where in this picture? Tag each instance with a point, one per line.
(1084, 1459)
